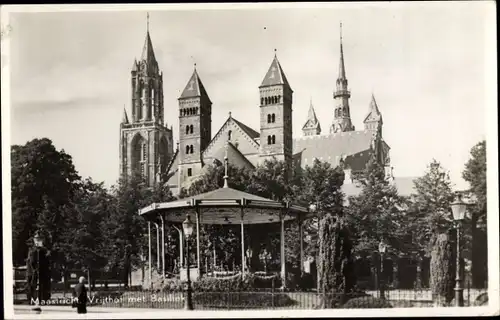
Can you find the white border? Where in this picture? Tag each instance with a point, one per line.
(492, 160)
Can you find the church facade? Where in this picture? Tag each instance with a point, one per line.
(146, 143)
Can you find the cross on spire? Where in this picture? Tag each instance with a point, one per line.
(147, 21)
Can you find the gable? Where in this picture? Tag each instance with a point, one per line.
(240, 139)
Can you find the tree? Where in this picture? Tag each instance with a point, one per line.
(475, 174)
(84, 237)
(442, 269)
(322, 188)
(125, 228)
(43, 179)
(430, 220)
(430, 212)
(375, 214)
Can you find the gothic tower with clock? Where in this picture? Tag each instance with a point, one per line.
(146, 144)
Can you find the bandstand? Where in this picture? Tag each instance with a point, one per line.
(225, 206)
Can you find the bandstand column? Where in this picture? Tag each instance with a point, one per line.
(162, 245)
(150, 254)
(282, 251)
(157, 247)
(242, 243)
(198, 258)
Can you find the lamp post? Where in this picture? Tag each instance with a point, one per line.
(382, 247)
(458, 209)
(188, 227)
(38, 241)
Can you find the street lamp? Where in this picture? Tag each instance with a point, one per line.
(458, 208)
(188, 227)
(382, 247)
(38, 241)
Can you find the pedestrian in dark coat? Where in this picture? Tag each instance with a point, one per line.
(80, 296)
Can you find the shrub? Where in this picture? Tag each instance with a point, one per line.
(367, 302)
(172, 285)
(242, 300)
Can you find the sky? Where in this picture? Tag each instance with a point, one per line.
(425, 63)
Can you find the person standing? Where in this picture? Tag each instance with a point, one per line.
(80, 295)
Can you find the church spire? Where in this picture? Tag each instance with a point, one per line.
(342, 113)
(312, 126)
(125, 117)
(148, 54)
(373, 120)
(341, 63)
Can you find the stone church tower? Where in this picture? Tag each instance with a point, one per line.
(276, 115)
(146, 144)
(342, 114)
(195, 126)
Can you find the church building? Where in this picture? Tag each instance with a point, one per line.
(146, 142)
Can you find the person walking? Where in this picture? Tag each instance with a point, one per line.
(80, 296)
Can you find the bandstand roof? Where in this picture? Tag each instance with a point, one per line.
(225, 206)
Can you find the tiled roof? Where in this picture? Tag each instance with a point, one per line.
(225, 194)
(194, 87)
(331, 147)
(234, 156)
(275, 75)
(251, 132)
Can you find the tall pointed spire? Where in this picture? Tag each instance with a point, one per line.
(125, 117)
(147, 51)
(341, 63)
(312, 125)
(373, 120)
(342, 114)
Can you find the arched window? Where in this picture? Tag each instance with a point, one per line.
(267, 100)
(279, 99)
(191, 129)
(191, 149)
(273, 118)
(229, 135)
(268, 118)
(261, 101)
(187, 129)
(268, 139)
(274, 139)
(187, 149)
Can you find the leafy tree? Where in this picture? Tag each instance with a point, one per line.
(43, 180)
(84, 237)
(430, 220)
(430, 212)
(125, 228)
(321, 187)
(375, 214)
(475, 174)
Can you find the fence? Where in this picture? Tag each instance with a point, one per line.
(255, 299)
